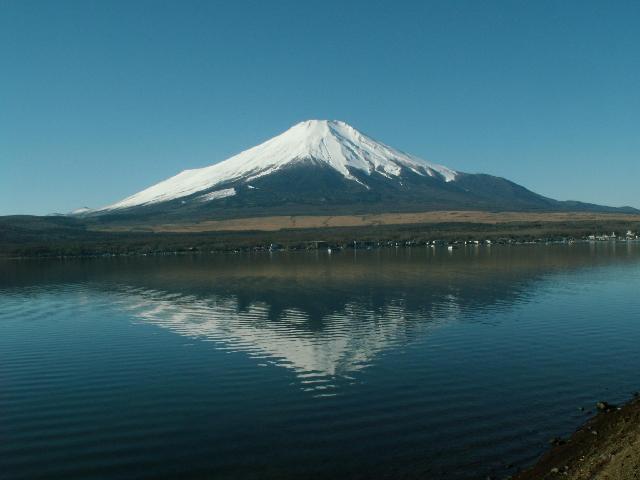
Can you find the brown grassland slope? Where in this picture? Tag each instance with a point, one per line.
(275, 223)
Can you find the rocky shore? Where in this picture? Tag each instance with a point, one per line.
(607, 447)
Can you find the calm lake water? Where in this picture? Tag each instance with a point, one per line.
(408, 363)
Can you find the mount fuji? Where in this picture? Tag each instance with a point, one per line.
(320, 167)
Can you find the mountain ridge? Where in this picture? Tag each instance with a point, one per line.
(318, 166)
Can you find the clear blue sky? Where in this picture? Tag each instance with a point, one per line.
(101, 99)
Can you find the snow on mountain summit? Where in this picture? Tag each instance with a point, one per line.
(333, 143)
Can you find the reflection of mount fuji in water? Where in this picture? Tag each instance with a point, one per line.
(330, 315)
(325, 316)
(346, 341)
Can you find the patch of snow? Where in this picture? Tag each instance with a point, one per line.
(227, 192)
(80, 211)
(333, 143)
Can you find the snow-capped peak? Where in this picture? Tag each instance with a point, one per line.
(334, 143)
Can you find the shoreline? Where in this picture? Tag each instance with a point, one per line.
(607, 446)
(446, 245)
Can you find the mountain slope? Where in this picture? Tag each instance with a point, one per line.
(327, 143)
(321, 166)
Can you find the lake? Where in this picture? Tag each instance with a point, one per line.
(393, 363)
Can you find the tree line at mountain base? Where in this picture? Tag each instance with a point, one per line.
(28, 236)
